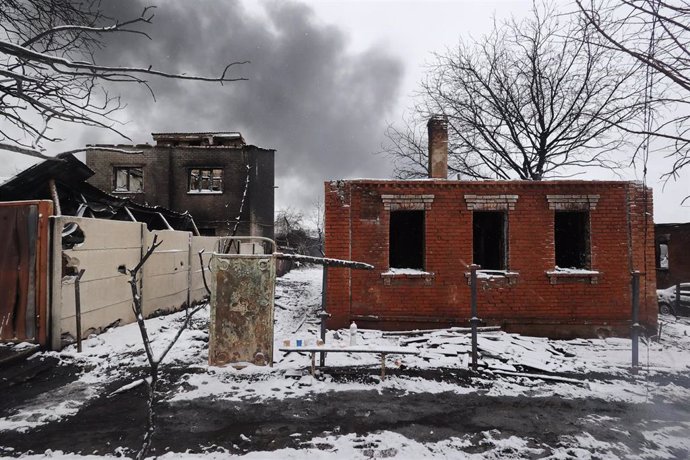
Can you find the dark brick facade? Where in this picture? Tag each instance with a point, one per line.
(531, 296)
(166, 179)
(676, 270)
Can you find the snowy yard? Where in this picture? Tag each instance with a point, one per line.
(533, 398)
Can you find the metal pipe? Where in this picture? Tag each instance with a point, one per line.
(474, 320)
(323, 314)
(77, 307)
(677, 301)
(635, 319)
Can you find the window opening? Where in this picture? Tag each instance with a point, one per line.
(489, 239)
(205, 180)
(406, 239)
(662, 260)
(129, 180)
(572, 239)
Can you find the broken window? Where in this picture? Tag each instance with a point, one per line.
(206, 180)
(489, 239)
(129, 179)
(571, 239)
(662, 259)
(406, 239)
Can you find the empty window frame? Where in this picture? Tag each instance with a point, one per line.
(406, 239)
(128, 179)
(571, 238)
(489, 239)
(662, 258)
(206, 180)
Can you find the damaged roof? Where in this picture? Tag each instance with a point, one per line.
(79, 198)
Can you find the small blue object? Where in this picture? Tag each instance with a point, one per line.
(299, 342)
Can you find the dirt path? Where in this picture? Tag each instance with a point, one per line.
(107, 423)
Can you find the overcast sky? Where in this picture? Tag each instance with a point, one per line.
(325, 79)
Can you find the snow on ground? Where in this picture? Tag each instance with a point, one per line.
(571, 369)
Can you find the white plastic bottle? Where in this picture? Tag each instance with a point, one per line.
(353, 334)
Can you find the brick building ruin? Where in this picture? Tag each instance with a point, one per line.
(556, 256)
(672, 249)
(203, 173)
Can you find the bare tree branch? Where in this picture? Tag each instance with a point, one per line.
(530, 100)
(656, 34)
(154, 361)
(49, 73)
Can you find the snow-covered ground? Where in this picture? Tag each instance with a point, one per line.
(512, 365)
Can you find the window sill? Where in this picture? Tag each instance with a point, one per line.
(495, 277)
(397, 275)
(204, 192)
(564, 276)
(127, 192)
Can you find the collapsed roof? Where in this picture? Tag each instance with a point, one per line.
(79, 198)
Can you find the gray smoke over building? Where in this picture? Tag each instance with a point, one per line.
(320, 105)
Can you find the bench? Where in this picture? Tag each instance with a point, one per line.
(383, 351)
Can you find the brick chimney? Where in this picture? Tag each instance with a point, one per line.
(438, 147)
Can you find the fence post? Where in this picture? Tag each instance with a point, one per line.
(77, 307)
(323, 314)
(676, 312)
(474, 320)
(635, 319)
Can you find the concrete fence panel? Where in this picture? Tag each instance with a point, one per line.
(105, 249)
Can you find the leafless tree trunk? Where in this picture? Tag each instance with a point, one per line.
(531, 100)
(656, 34)
(48, 72)
(153, 361)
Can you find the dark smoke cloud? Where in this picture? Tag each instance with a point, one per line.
(322, 107)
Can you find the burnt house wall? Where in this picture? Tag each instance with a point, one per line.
(166, 172)
(676, 237)
(533, 298)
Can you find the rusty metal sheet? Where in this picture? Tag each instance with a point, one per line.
(23, 270)
(242, 295)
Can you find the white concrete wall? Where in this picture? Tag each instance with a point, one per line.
(169, 279)
(208, 244)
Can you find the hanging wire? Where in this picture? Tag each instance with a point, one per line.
(648, 121)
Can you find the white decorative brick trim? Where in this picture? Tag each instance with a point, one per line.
(572, 202)
(407, 202)
(491, 202)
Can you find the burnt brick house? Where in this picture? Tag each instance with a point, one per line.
(672, 254)
(203, 173)
(556, 256)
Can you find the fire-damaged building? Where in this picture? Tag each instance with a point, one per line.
(226, 184)
(672, 249)
(556, 257)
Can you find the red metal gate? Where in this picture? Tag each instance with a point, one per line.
(23, 270)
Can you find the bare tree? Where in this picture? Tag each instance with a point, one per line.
(317, 220)
(49, 72)
(154, 360)
(530, 100)
(656, 34)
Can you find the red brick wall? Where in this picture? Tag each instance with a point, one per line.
(357, 229)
